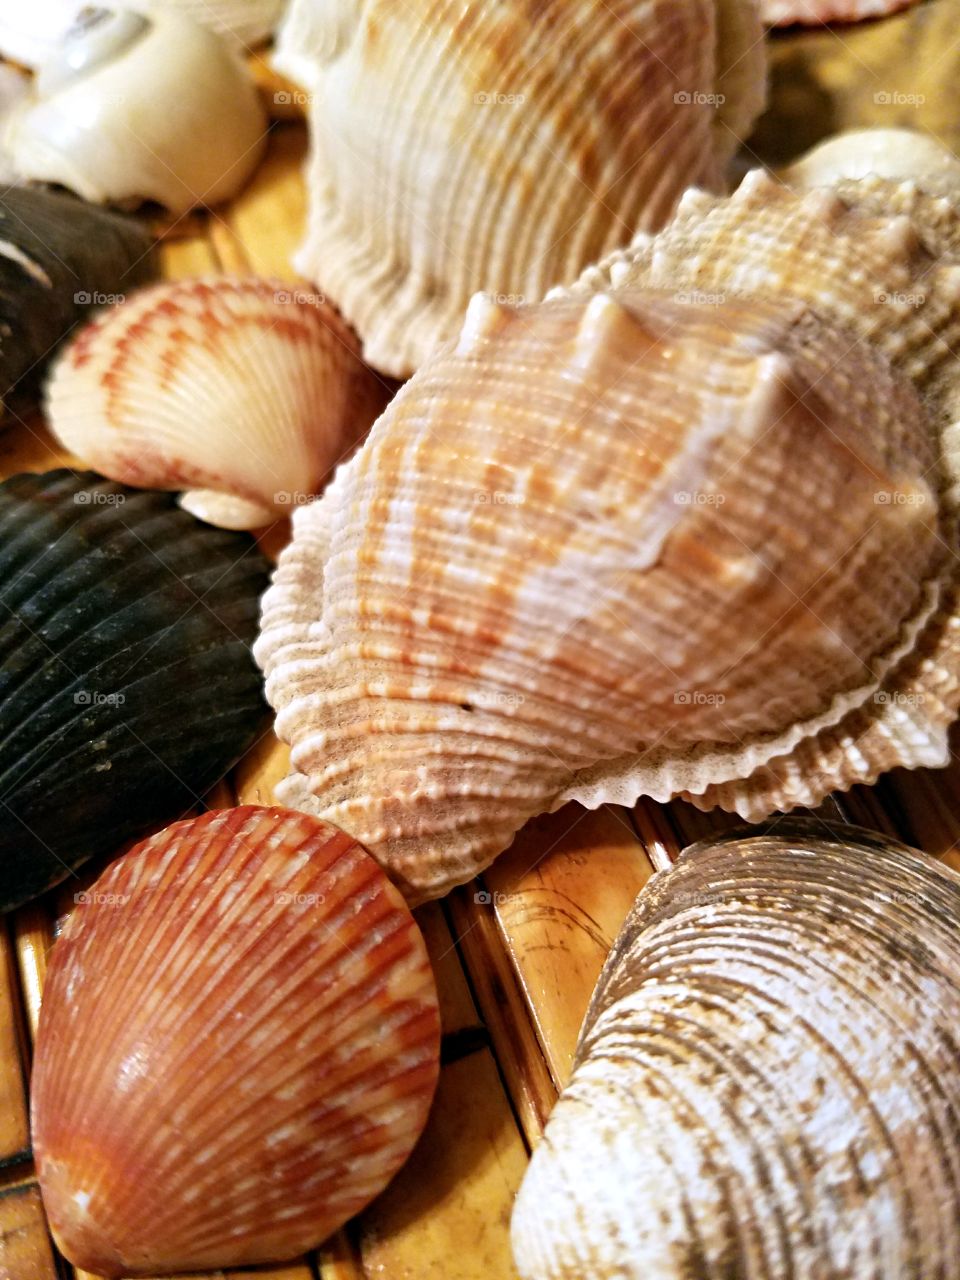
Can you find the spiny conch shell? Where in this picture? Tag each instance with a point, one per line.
(526, 172)
(237, 1050)
(576, 558)
(127, 688)
(246, 392)
(140, 106)
(59, 258)
(31, 33)
(767, 1082)
(784, 13)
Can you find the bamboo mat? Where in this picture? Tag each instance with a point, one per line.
(516, 954)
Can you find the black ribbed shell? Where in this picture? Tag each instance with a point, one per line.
(68, 259)
(127, 687)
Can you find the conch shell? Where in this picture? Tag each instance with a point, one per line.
(238, 1047)
(244, 392)
(767, 1081)
(784, 13)
(503, 147)
(140, 106)
(687, 535)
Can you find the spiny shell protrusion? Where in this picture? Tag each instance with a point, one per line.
(767, 1081)
(533, 585)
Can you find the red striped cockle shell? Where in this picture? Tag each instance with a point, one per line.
(244, 392)
(238, 1047)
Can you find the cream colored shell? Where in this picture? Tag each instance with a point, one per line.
(31, 32)
(502, 146)
(244, 392)
(121, 114)
(767, 1082)
(636, 542)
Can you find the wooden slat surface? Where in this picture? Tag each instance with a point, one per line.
(518, 952)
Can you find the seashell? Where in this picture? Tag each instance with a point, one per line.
(767, 1081)
(785, 13)
(453, 153)
(899, 155)
(58, 259)
(274, 376)
(126, 684)
(575, 560)
(237, 1050)
(140, 106)
(31, 33)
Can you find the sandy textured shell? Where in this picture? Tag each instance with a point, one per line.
(899, 155)
(577, 559)
(30, 33)
(171, 115)
(768, 1080)
(238, 1047)
(784, 13)
(245, 392)
(454, 150)
(58, 259)
(126, 682)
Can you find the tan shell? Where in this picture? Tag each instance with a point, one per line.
(502, 147)
(244, 392)
(783, 13)
(237, 1050)
(136, 107)
(622, 544)
(767, 1081)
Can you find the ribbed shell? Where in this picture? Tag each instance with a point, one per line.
(246, 392)
(127, 687)
(783, 13)
(577, 558)
(237, 1050)
(882, 259)
(169, 114)
(502, 146)
(767, 1082)
(61, 258)
(30, 33)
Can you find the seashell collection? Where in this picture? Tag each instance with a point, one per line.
(500, 189)
(438, 698)
(275, 377)
(769, 1066)
(666, 513)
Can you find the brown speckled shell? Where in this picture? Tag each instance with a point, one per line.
(503, 144)
(768, 1078)
(237, 1050)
